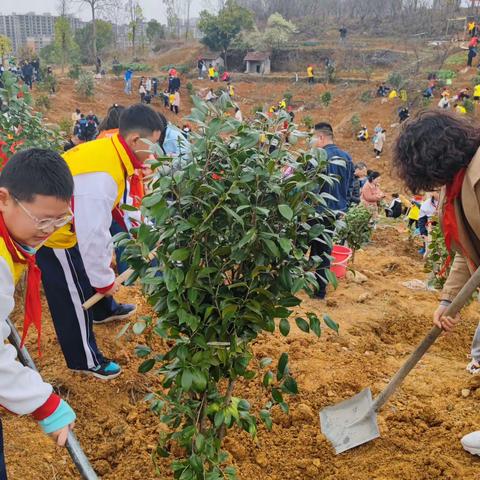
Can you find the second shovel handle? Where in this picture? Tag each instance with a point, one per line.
(453, 309)
(98, 296)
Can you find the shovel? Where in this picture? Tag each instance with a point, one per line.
(73, 446)
(354, 421)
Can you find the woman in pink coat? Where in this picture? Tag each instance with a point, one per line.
(371, 193)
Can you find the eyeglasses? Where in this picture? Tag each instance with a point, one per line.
(46, 224)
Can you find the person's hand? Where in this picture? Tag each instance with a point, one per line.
(60, 436)
(445, 323)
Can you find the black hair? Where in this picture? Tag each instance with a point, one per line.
(77, 110)
(140, 118)
(37, 172)
(82, 115)
(164, 121)
(432, 147)
(373, 175)
(360, 165)
(324, 127)
(395, 195)
(112, 119)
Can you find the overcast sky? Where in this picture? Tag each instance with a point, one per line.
(151, 8)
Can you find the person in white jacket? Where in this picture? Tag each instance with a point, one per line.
(35, 191)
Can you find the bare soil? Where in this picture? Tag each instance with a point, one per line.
(421, 425)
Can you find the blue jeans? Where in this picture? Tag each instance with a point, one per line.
(128, 87)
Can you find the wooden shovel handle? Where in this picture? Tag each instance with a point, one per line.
(98, 296)
(453, 309)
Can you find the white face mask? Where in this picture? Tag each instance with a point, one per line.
(313, 142)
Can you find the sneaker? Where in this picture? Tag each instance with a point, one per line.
(473, 367)
(123, 311)
(421, 251)
(471, 443)
(105, 371)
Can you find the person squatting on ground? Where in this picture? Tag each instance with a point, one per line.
(340, 192)
(439, 149)
(35, 191)
(76, 262)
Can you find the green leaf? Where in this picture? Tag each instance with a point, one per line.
(146, 366)
(302, 324)
(285, 244)
(272, 247)
(265, 362)
(284, 327)
(142, 351)
(187, 379)
(282, 367)
(268, 379)
(330, 323)
(180, 255)
(219, 418)
(123, 331)
(314, 324)
(332, 278)
(199, 442)
(266, 418)
(231, 213)
(199, 381)
(285, 211)
(277, 395)
(139, 327)
(290, 385)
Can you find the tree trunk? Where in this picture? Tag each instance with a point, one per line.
(134, 33)
(225, 57)
(187, 25)
(94, 36)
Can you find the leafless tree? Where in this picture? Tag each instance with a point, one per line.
(96, 7)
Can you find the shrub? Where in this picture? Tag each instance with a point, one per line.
(43, 102)
(288, 97)
(74, 71)
(476, 80)
(308, 122)
(356, 228)
(190, 88)
(469, 105)
(117, 69)
(65, 126)
(232, 235)
(446, 74)
(134, 66)
(366, 96)
(355, 123)
(330, 72)
(326, 99)
(396, 80)
(22, 127)
(85, 85)
(257, 109)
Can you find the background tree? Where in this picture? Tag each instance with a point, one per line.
(135, 15)
(103, 39)
(276, 34)
(96, 7)
(5, 47)
(64, 42)
(220, 30)
(155, 31)
(173, 16)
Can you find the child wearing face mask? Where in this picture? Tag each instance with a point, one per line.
(76, 260)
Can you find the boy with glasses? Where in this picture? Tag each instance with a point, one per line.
(35, 191)
(76, 261)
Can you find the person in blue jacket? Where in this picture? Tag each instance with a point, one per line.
(128, 81)
(340, 167)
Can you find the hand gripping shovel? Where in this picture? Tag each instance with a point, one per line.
(74, 449)
(354, 421)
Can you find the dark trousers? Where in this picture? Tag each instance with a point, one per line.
(3, 469)
(121, 265)
(322, 250)
(67, 287)
(174, 108)
(310, 80)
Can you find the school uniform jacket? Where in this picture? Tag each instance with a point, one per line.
(467, 209)
(100, 170)
(22, 390)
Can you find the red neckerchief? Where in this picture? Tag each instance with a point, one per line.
(135, 161)
(136, 180)
(450, 224)
(33, 305)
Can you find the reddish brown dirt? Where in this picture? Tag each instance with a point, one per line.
(420, 426)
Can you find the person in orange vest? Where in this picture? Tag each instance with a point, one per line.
(35, 190)
(76, 260)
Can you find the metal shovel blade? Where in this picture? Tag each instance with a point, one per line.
(350, 423)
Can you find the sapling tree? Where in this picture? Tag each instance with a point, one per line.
(356, 228)
(230, 235)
